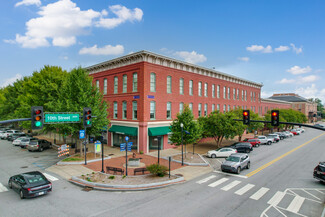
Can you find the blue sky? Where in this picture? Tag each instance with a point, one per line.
(278, 43)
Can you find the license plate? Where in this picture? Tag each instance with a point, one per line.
(41, 193)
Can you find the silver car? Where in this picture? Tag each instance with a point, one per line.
(235, 163)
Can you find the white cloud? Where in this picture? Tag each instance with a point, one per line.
(299, 80)
(191, 57)
(11, 80)
(28, 2)
(297, 70)
(245, 59)
(295, 49)
(311, 92)
(265, 94)
(260, 48)
(106, 50)
(281, 48)
(60, 23)
(287, 81)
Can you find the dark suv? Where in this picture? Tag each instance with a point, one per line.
(245, 147)
(319, 172)
(38, 145)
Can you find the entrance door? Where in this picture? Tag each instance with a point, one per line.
(153, 142)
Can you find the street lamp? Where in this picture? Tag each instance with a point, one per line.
(182, 125)
(159, 140)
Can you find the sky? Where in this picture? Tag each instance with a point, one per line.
(278, 43)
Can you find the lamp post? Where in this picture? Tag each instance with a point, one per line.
(159, 140)
(182, 125)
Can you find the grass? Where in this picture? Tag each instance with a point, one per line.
(72, 159)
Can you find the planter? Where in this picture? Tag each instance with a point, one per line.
(134, 162)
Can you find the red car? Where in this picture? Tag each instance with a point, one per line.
(254, 141)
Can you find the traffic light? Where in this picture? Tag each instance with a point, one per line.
(275, 117)
(37, 117)
(246, 117)
(87, 117)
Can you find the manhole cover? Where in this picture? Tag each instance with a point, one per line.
(24, 167)
(87, 189)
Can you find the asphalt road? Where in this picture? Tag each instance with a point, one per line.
(279, 183)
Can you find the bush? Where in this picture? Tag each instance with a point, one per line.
(124, 176)
(111, 177)
(141, 152)
(158, 170)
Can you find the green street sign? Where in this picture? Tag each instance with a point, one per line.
(61, 118)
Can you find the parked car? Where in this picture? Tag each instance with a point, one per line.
(288, 133)
(235, 163)
(295, 132)
(38, 145)
(319, 172)
(319, 125)
(254, 141)
(281, 135)
(15, 136)
(265, 140)
(9, 133)
(301, 129)
(2, 133)
(25, 142)
(221, 152)
(30, 184)
(275, 136)
(242, 147)
(17, 141)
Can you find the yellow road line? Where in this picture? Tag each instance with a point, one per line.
(282, 156)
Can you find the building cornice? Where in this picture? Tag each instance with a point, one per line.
(146, 56)
(275, 101)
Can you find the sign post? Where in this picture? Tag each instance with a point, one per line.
(126, 155)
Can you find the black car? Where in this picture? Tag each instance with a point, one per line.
(245, 147)
(319, 172)
(31, 184)
(15, 136)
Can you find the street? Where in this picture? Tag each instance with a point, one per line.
(279, 183)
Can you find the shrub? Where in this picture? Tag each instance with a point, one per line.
(93, 172)
(157, 169)
(141, 152)
(88, 179)
(111, 177)
(123, 176)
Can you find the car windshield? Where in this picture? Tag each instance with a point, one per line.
(35, 178)
(25, 140)
(233, 159)
(33, 142)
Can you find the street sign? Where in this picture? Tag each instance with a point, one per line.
(51, 118)
(98, 147)
(81, 134)
(126, 138)
(130, 144)
(122, 146)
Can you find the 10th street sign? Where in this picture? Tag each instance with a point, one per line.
(61, 118)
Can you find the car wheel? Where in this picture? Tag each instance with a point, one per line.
(238, 170)
(30, 150)
(257, 145)
(21, 194)
(213, 156)
(248, 165)
(10, 184)
(41, 149)
(269, 142)
(247, 151)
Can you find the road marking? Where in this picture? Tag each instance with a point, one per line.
(51, 178)
(282, 156)
(260, 193)
(3, 188)
(206, 179)
(296, 204)
(220, 181)
(311, 194)
(244, 189)
(319, 191)
(231, 185)
(229, 174)
(275, 200)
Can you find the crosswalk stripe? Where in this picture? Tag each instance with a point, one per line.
(220, 181)
(244, 189)
(3, 188)
(51, 178)
(206, 179)
(296, 204)
(275, 200)
(231, 185)
(260, 193)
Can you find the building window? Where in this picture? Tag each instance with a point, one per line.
(135, 110)
(218, 91)
(181, 86)
(206, 89)
(218, 107)
(97, 84)
(259, 99)
(213, 107)
(200, 88)
(169, 110)
(152, 82)
(254, 96)
(115, 84)
(125, 83)
(228, 92)
(205, 109)
(124, 110)
(181, 107)
(237, 94)
(115, 110)
(105, 86)
(152, 110)
(251, 96)
(191, 106)
(228, 108)
(200, 110)
(169, 84)
(191, 88)
(135, 82)
(245, 95)
(242, 95)
(224, 108)
(234, 107)
(234, 93)
(213, 91)
(224, 92)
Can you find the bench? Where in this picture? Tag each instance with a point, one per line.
(115, 170)
(139, 170)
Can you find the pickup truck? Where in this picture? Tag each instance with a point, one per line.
(265, 140)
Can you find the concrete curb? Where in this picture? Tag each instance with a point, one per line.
(80, 162)
(107, 187)
(189, 164)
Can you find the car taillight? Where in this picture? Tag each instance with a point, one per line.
(37, 146)
(236, 150)
(28, 189)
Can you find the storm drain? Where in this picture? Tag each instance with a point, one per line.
(87, 189)
(24, 167)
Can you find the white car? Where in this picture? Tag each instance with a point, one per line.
(9, 133)
(288, 133)
(301, 130)
(221, 152)
(17, 141)
(265, 140)
(2, 134)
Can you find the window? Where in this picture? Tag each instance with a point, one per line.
(152, 110)
(245, 95)
(242, 95)
(125, 83)
(237, 94)
(218, 107)
(213, 91)
(152, 82)
(134, 110)
(105, 86)
(254, 96)
(251, 96)
(205, 89)
(213, 107)
(191, 88)
(205, 109)
(115, 84)
(224, 92)
(234, 93)
(228, 108)
(200, 88)
(115, 110)
(169, 84)
(224, 108)
(169, 110)
(97, 84)
(135, 82)
(228, 92)
(181, 107)
(234, 107)
(259, 99)
(124, 112)
(191, 106)
(200, 110)
(181, 86)
(218, 91)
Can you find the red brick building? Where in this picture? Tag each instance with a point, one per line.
(270, 104)
(145, 91)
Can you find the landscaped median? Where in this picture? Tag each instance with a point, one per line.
(76, 159)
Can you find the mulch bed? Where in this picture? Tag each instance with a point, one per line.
(190, 158)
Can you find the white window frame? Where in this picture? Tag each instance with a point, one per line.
(135, 82)
(152, 82)
(125, 83)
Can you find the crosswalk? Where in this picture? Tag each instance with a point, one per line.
(3, 188)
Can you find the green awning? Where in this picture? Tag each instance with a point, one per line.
(131, 131)
(159, 131)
